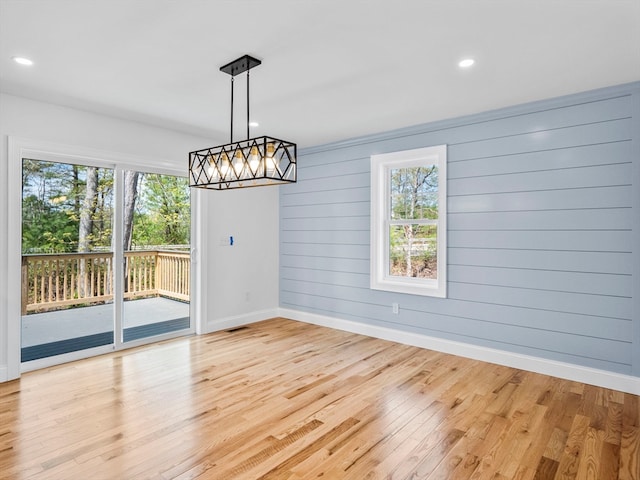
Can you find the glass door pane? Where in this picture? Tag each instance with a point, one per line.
(67, 258)
(156, 238)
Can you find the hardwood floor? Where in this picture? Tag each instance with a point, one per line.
(287, 400)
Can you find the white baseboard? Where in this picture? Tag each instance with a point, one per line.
(239, 320)
(592, 376)
(4, 375)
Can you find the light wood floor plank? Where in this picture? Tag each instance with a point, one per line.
(285, 400)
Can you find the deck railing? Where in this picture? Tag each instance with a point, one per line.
(55, 281)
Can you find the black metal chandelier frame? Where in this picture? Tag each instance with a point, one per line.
(246, 163)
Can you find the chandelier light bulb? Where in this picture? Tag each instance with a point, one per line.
(224, 165)
(238, 163)
(270, 160)
(254, 160)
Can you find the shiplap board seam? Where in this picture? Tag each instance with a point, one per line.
(454, 282)
(522, 249)
(527, 210)
(452, 297)
(319, 256)
(538, 190)
(541, 249)
(323, 203)
(304, 166)
(305, 192)
(506, 267)
(458, 282)
(549, 310)
(536, 269)
(285, 216)
(335, 216)
(627, 320)
(542, 130)
(510, 230)
(327, 243)
(547, 250)
(525, 172)
(527, 152)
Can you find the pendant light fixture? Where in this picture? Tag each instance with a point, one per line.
(246, 163)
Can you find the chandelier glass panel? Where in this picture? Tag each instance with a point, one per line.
(246, 163)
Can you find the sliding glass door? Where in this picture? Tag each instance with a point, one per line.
(67, 258)
(156, 244)
(74, 294)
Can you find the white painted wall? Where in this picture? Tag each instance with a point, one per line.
(243, 278)
(227, 273)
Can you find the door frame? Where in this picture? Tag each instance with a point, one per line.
(19, 148)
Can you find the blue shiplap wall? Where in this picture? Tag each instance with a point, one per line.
(541, 231)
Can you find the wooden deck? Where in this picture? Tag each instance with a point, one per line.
(58, 332)
(39, 328)
(286, 400)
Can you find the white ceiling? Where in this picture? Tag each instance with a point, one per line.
(332, 69)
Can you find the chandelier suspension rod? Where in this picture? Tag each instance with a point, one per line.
(231, 141)
(248, 104)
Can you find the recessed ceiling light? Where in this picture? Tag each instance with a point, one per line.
(254, 124)
(22, 61)
(466, 63)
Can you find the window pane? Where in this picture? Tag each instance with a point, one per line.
(412, 251)
(414, 193)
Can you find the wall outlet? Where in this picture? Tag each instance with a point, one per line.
(395, 308)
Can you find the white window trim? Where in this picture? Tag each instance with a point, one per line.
(381, 166)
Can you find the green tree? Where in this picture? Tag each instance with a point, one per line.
(55, 199)
(68, 208)
(48, 221)
(163, 211)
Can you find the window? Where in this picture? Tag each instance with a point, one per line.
(408, 221)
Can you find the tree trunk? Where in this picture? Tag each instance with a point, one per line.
(76, 190)
(87, 210)
(85, 228)
(408, 235)
(130, 196)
